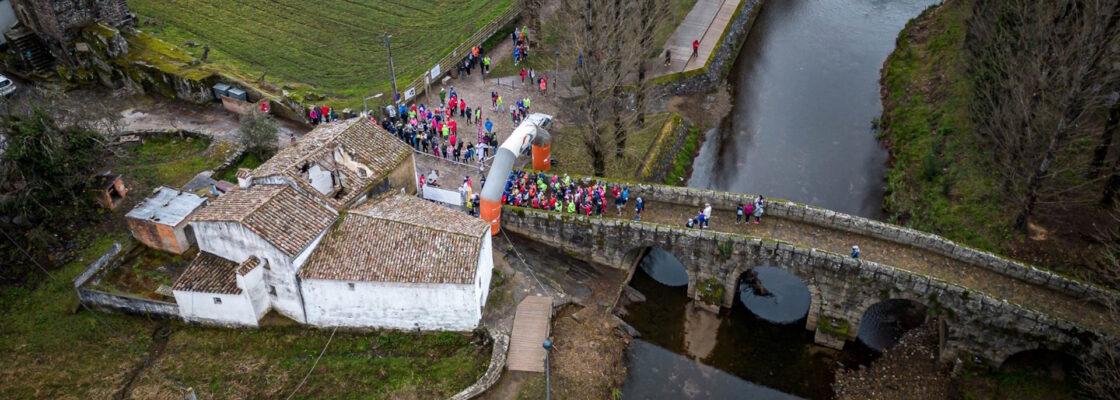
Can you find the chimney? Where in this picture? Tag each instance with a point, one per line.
(244, 178)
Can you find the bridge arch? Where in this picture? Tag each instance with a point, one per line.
(792, 297)
(662, 264)
(882, 323)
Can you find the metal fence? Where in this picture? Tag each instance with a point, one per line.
(447, 62)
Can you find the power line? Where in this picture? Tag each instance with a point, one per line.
(527, 266)
(313, 365)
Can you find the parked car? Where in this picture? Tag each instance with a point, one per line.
(7, 87)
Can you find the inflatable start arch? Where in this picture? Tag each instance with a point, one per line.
(532, 133)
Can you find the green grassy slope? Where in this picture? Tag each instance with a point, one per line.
(335, 46)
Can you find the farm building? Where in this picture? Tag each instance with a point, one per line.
(160, 221)
(391, 262)
(218, 291)
(400, 263)
(342, 163)
(275, 223)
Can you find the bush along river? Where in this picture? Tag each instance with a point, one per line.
(805, 90)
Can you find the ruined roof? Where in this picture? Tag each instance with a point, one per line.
(208, 273)
(280, 214)
(166, 206)
(372, 153)
(400, 239)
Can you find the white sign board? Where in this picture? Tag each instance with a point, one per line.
(442, 195)
(409, 94)
(435, 72)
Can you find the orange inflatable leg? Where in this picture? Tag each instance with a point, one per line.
(491, 211)
(542, 154)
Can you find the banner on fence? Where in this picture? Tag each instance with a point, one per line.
(443, 196)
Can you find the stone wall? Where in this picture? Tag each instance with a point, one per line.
(662, 156)
(493, 372)
(115, 301)
(721, 60)
(879, 230)
(843, 288)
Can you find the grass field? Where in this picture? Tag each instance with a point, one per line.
(53, 351)
(331, 47)
(937, 181)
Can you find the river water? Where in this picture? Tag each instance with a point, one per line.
(805, 90)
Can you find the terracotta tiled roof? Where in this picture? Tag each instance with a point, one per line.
(208, 273)
(400, 239)
(280, 214)
(248, 265)
(366, 143)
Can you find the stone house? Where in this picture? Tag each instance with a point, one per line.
(281, 212)
(401, 263)
(342, 164)
(160, 221)
(275, 223)
(218, 291)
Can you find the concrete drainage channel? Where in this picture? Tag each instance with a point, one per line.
(497, 364)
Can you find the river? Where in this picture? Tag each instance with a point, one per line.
(805, 90)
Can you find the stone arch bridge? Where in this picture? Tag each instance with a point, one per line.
(987, 306)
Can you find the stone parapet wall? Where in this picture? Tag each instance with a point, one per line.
(875, 229)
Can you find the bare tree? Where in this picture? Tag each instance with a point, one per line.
(1100, 378)
(1043, 74)
(650, 14)
(598, 40)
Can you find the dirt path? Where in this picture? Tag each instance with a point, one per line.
(160, 336)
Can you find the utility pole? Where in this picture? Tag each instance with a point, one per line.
(392, 75)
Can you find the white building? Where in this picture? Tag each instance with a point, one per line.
(400, 262)
(393, 262)
(218, 291)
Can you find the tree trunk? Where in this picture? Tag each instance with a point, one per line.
(1105, 143)
(640, 94)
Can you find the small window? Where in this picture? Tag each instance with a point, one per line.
(351, 284)
(272, 290)
(217, 300)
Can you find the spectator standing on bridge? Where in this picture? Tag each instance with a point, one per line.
(695, 48)
(668, 58)
(707, 215)
(758, 209)
(855, 252)
(639, 206)
(738, 213)
(700, 221)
